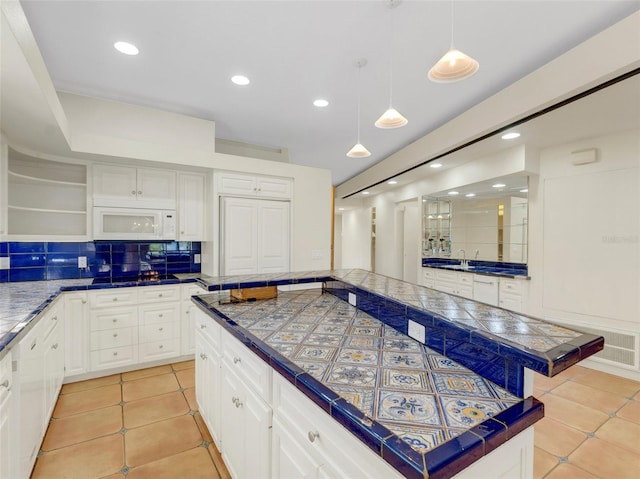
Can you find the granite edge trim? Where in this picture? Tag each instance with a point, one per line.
(442, 461)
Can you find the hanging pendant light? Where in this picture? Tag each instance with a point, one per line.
(392, 117)
(358, 150)
(454, 65)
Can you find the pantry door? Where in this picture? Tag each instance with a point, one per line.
(255, 236)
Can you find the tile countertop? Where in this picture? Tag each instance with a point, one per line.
(485, 268)
(416, 408)
(21, 302)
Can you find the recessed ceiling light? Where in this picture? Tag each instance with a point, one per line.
(240, 80)
(470, 195)
(435, 165)
(365, 192)
(320, 103)
(510, 136)
(453, 193)
(498, 185)
(526, 190)
(126, 48)
(392, 182)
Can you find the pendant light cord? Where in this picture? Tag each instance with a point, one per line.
(359, 68)
(391, 60)
(451, 42)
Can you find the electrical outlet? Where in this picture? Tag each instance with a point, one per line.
(5, 263)
(417, 331)
(196, 258)
(82, 261)
(352, 299)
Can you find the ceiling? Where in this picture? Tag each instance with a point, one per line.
(295, 52)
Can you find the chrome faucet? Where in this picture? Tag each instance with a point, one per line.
(477, 253)
(463, 263)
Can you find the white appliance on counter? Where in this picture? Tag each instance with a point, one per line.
(133, 224)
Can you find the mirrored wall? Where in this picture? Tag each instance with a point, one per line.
(485, 221)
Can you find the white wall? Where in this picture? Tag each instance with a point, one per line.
(356, 238)
(337, 241)
(584, 250)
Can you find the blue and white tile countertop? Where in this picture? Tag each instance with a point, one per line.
(425, 414)
(487, 268)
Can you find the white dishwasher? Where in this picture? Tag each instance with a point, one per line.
(485, 289)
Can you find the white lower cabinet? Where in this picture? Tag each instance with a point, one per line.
(245, 426)
(187, 317)
(208, 384)
(513, 294)
(76, 333)
(8, 425)
(40, 371)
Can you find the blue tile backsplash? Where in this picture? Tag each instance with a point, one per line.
(35, 261)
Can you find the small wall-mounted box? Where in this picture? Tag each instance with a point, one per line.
(584, 157)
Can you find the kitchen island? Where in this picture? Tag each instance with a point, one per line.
(430, 406)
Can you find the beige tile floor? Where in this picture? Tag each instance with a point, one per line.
(145, 424)
(591, 427)
(141, 424)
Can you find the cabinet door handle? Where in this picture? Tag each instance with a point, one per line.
(159, 295)
(84, 301)
(115, 354)
(161, 346)
(313, 435)
(181, 232)
(139, 192)
(236, 401)
(115, 335)
(54, 346)
(203, 356)
(115, 299)
(5, 384)
(160, 329)
(115, 320)
(161, 315)
(54, 318)
(236, 360)
(133, 192)
(203, 326)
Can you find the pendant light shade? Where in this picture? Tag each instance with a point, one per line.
(392, 117)
(453, 66)
(358, 150)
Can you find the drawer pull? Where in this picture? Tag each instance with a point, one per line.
(313, 435)
(203, 356)
(115, 335)
(115, 354)
(160, 329)
(139, 192)
(161, 315)
(5, 384)
(54, 346)
(236, 401)
(203, 326)
(160, 295)
(115, 320)
(54, 318)
(236, 360)
(84, 301)
(161, 346)
(115, 299)
(133, 192)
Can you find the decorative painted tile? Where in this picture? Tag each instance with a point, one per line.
(420, 438)
(366, 342)
(439, 362)
(352, 375)
(324, 339)
(400, 343)
(297, 326)
(284, 349)
(538, 343)
(365, 331)
(408, 407)
(286, 337)
(457, 384)
(330, 329)
(315, 369)
(357, 356)
(555, 330)
(317, 353)
(405, 379)
(265, 324)
(362, 398)
(402, 360)
(506, 327)
(467, 412)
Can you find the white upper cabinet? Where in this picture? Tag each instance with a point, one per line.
(126, 186)
(191, 207)
(251, 185)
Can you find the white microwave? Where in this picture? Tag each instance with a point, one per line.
(133, 224)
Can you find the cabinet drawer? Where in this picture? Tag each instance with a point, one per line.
(113, 318)
(154, 294)
(162, 313)
(159, 332)
(110, 358)
(248, 366)
(113, 338)
(447, 276)
(465, 278)
(428, 273)
(51, 319)
(159, 349)
(208, 328)
(113, 297)
(511, 286)
(191, 289)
